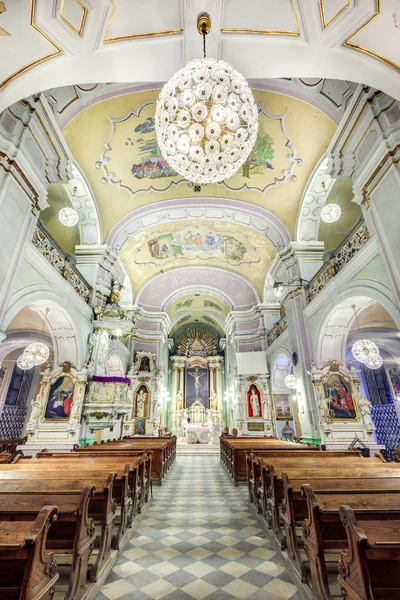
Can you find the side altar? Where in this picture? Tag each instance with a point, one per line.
(197, 386)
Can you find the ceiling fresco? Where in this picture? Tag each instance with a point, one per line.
(114, 144)
(216, 244)
(198, 302)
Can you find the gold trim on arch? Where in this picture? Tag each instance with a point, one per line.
(83, 17)
(348, 43)
(135, 36)
(326, 24)
(57, 52)
(266, 31)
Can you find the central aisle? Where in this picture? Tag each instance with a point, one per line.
(198, 539)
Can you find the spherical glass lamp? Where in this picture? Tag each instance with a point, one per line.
(68, 216)
(25, 361)
(38, 351)
(206, 118)
(363, 350)
(375, 362)
(290, 382)
(331, 213)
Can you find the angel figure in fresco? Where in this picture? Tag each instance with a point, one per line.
(255, 404)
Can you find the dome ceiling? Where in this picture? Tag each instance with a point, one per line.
(113, 142)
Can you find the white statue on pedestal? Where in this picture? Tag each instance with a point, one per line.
(255, 405)
(36, 410)
(140, 403)
(239, 410)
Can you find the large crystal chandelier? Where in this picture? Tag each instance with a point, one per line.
(25, 361)
(206, 118)
(366, 351)
(38, 351)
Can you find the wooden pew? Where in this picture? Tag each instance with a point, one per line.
(137, 464)
(73, 534)
(158, 464)
(323, 531)
(102, 507)
(271, 490)
(27, 570)
(369, 569)
(294, 510)
(235, 455)
(256, 461)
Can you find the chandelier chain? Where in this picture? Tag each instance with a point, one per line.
(204, 41)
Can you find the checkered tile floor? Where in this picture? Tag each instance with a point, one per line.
(198, 539)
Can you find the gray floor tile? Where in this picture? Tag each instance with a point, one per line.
(197, 493)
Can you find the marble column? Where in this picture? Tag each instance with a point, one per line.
(218, 385)
(182, 380)
(174, 386)
(211, 380)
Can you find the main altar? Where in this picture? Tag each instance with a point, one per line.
(197, 387)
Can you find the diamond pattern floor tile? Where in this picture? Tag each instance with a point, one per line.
(198, 541)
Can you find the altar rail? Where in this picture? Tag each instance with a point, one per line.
(59, 260)
(355, 240)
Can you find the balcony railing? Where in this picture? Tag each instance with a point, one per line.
(356, 239)
(276, 330)
(56, 257)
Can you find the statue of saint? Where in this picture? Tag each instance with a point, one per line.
(197, 376)
(115, 293)
(36, 410)
(179, 401)
(214, 401)
(141, 402)
(255, 404)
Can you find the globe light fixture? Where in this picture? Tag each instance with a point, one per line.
(38, 351)
(68, 216)
(363, 350)
(25, 361)
(375, 362)
(331, 213)
(290, 382)
(206, 118)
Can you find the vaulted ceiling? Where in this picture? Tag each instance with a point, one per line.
(52, 43)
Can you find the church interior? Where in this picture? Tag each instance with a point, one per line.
(199, 300)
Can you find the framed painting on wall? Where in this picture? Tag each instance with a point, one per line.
(283, 407)
(140, 427)
(59, 400)
(339, 395)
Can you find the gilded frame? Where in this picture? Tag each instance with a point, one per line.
(284, 417)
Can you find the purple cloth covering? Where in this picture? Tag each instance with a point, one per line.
(111, 379)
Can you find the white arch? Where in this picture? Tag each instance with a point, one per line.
(336, 321)
(67, 334)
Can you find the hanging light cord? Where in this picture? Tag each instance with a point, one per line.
(204, 33)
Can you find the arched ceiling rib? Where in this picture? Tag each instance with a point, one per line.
(128, 40)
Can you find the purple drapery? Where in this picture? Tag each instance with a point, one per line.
(111, 379)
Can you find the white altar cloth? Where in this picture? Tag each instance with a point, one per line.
(198, 434)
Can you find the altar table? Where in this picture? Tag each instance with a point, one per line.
(197, 434)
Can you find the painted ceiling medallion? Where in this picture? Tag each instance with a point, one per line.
(68, 216)
(331, 213)
(206, 119)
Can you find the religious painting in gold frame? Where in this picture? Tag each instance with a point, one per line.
(283, 407)
(338, 391)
